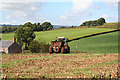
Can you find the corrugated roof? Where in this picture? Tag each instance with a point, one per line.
(6, 44)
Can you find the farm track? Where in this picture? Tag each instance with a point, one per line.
(59, 65)
(93, 35)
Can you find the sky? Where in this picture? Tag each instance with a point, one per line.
(58, 12)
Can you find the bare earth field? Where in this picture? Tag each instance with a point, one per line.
(84, 65)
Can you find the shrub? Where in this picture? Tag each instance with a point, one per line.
(38, 46)
(34, 46)
(44, 47)
(73, 26)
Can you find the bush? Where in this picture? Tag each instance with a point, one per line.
(34, 46)
(38, 46)
(44, 47)
(73, 26)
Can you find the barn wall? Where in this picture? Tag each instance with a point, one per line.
(15, 48)
(6, 50)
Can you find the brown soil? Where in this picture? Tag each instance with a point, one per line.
(59, 66)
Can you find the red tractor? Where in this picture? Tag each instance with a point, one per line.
(59, 46)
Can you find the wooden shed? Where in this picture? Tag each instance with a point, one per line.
(10, 47)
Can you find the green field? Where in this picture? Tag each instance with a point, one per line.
(105, 43)
(48, 36)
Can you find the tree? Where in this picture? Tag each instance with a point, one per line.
(46, 26)
(39, 27)
(24, 34)
(98, 22)
(101, 21)
(7, 29)
(28, 24)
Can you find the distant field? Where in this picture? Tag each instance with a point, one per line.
(105, 43)
(38, 65)
(114, 25)
(48, 36)
(7, 36)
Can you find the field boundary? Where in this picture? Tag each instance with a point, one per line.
(93, 35)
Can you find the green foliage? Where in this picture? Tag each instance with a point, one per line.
(38, 46)
(98, 22)
(7, 29)
(28, 24)
(37, 27)
(73, 26)
(34, 46)
(46, 26)
(24, 34)
(44, 47)
(101, 21)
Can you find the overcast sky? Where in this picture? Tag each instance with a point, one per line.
(58, 12)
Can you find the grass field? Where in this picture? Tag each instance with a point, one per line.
(59, 65)
(48, 36)
(105, 43)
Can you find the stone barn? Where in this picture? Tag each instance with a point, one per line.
(10, 47)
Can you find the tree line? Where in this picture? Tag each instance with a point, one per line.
(36, 27)
(7, 29)
(98, 22)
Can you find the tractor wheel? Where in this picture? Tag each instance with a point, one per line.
(50, 50)
(68, 50)
(62, 50)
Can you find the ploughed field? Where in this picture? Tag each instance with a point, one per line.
(73, 65)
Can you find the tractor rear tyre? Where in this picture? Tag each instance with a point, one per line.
(50, 50)
(68, 50)
(62, 50)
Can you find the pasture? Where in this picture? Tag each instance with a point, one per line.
(48, 36)
(105, 43)
(74, 65)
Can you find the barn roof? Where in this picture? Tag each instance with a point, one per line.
(6, 44)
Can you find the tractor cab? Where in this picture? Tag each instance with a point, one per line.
(61, 39)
